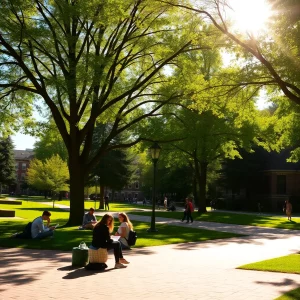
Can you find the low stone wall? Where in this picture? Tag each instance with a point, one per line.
(7, 213)
(12, 202)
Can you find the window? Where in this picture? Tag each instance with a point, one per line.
(24, 165)
(23, 177)
(17, 166)
(281, 184)
(129, 186)
(137, 185)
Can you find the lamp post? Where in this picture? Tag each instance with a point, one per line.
(154, 151)
(96, 181)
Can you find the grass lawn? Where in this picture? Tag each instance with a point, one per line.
(233, 218)
(284, 264)
(68, 237)
(113, 206)
(292, 295)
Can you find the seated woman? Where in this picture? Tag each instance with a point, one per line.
(123, 230)
(101, 239)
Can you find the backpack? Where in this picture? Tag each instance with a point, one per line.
(26, 234)
(131, 238)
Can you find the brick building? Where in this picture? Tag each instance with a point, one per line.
(22, 159)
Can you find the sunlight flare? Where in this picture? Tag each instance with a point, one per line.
(250, 16)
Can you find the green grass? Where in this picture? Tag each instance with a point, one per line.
(292, 295)
(284, 264)
(233, 218)
(113, 206)
(68, 237)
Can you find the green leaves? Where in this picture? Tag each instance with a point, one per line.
(52, 174)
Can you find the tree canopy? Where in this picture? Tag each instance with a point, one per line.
(50, 175)
(92, 61)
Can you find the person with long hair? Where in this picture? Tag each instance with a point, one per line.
(101, 239)
(288, 209)
(123, 230)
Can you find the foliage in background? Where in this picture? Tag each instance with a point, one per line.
(50, 175)
(7, 163)
(50, 143)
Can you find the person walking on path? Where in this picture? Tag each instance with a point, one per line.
(101, 239)
(106, 203)
(288, 210)
(190, 209)
(165, 202)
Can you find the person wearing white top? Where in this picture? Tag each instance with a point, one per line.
(123, 230)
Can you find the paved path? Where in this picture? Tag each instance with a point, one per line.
(205, 270)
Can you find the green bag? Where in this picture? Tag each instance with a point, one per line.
(80, 255)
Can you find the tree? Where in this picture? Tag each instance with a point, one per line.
(51, 175)
(277, 52)
(7, 163)
(91, 61)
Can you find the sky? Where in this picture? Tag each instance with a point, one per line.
(22, 141)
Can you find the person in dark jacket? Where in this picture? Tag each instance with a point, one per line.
(101, 239)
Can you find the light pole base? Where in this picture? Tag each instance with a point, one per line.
(152, 230)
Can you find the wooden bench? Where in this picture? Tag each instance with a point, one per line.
(7, 213)
(12, 202)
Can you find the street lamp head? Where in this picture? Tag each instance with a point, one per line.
(155, 151)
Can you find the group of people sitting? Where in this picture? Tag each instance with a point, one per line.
(102, 232)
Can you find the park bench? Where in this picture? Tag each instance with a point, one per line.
(7, 213)
(12, 202)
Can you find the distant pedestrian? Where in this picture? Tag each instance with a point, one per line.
(190, 209)
(106, 203)
(165, 202)
(288, 210)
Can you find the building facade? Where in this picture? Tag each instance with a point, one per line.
(22, 159)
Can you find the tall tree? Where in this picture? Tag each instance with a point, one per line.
(7, 163)
(89, 61)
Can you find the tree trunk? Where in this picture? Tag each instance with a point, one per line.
(195, 190)
(202, 187)
(101, 201)
(76, 192)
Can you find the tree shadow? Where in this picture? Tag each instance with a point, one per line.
(284, 282)
(19, 265)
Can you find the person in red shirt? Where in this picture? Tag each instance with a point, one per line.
(189, 210)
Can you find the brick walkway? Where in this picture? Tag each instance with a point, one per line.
(203, 271)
